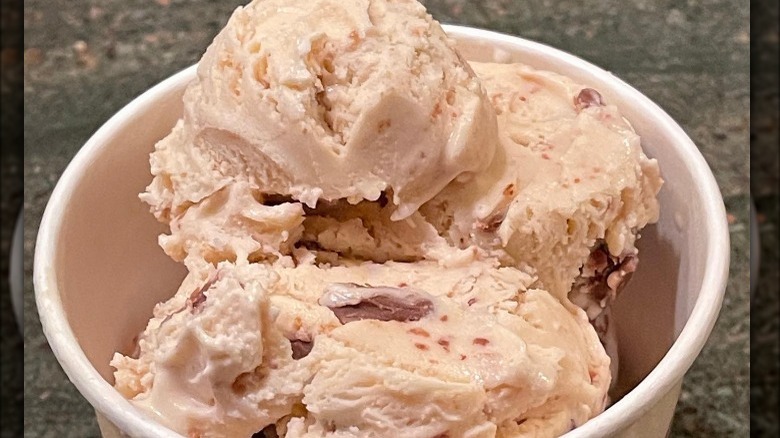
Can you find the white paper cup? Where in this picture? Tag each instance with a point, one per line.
(99, 271)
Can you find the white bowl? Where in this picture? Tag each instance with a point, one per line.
(99, 271)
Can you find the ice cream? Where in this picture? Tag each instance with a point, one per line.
(568, 193)
(383, 239)
(366, 349)
(570, 177)
(321, 100)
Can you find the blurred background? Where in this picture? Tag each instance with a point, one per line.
(765, 173)
(84, 60)
(11, 154)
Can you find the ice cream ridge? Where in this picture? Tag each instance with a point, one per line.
(383, 239)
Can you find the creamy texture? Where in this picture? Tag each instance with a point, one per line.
(487, 356)
(212, 362)
(384, 240)
(330, 100)
(568, 174)
(233, 223)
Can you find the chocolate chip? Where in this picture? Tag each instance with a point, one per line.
(605, 275)
(492, 222)
(198, 296)
(599, 259)
(384, 308)
(352, 302)
(198, 299)
(300, 349)
(587, 98)
(496, 217)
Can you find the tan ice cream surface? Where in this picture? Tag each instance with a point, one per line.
(325, 100)
(383, 240)
(569, 173)
(476, 353)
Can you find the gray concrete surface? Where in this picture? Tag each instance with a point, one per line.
(691, 57)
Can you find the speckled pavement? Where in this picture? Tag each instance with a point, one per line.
(85, 60)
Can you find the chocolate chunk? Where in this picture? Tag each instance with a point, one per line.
(491, 223)
(384, 308)
(352, 302)
(198, 296)
(300, 349)
(617, 276)
(587, 98)
(604, 275)
(198, 299)
(599, 260)
(601, 279)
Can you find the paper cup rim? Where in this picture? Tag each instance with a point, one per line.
(620, 415)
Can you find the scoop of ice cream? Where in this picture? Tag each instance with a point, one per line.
(211, 363)
(569, 177)
(365, 349)
(326, 99)
(458, 371)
